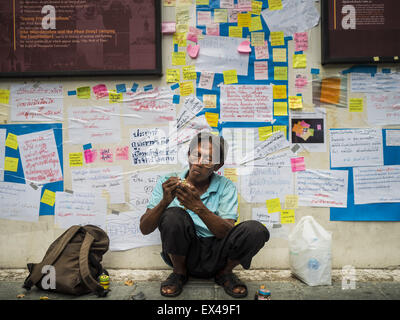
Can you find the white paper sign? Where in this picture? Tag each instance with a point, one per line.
(322, 188)
(393, 138)
(280, 159)
(2, 152)
(124, 232)
(218, 54)
(19, 202)
(80, 208)
(39, 157)
(376, 184)
(36, 102)
(153, 146)
(94, 125)
(383, 108)
(107, 180)
(262, 215)
(246, 103)
(266, 183)
(356, 147)
(141, 185)
(188, 111)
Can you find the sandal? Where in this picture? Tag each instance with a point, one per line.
(176, 280)
(233, 282)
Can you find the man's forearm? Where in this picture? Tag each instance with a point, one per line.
(218, 226)
(149, 221)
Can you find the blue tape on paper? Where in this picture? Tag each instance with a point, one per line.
(121, 87)
(176, 48)
(298, 52)
(72, 93)
(148, 87)
(175, 86)
(134, 87)
(314, 71)
(176, 99)
(361, 69)
(385, 70)
(87, 146)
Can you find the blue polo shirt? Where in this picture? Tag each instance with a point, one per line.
(221, 198)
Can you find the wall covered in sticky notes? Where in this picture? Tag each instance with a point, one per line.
(303, 139)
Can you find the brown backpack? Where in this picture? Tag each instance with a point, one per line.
(76, 257)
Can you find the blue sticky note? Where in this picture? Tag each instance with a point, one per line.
(314, 71)
(385, 70)
(175, 86)
(176, 48)
(298, 52)
(134, 87)
(176, 99)
(299, 95)
(72, 93)
(121, 87)
(148, 87)
(87, 146)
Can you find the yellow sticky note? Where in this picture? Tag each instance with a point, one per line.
(264, 133)
(12, 141)
(210, 100)
(255, 24)
(256, 7)
(4, 96)
(203, 2)
(115, 97)
(356, 105)
(257, 39)
(179, 38)
(230, 76)
(280, 128)
(173, 75)
(277, 38)
(83, 92)
(280, 108)
(49, 197)
(280, 73)
(189, 73)
(182, 28)
(299, 61)
(287, 216)
(279, 54)
(275, 4)
(75, 159)
(291, 201)
(279, 91)
(186, 88)
(231, 174)
(244, 20)
(295, 102)
(236, 32)
(212, 119)
(179, 58)
(376, 59)
(11, 164)
(220, 15)
(274, 205)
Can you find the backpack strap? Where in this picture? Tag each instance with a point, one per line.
(87, 277)
(36, 273)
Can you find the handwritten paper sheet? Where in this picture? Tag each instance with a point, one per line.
(218, 54)
(196, 125)
(124, 232)
(149, 106)
(262, 215)
(141, 186)
(246, 103)
(279, 159)
(105, 181)
(36, 102)
(80, 208)
(266, 183)
(2, 152)
(153, 146)
(19, 202)
(380, 82)
(376, 184)
(383, 108)
(322, 188)
(356, 147)
(188, 111)
(94, 125)
(39, 157)
(295, 16)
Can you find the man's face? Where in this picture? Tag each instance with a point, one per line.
(201, 163)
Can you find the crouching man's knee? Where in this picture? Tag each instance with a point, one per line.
(256, 232)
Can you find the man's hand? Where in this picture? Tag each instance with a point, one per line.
(189, 197)
(169, 189)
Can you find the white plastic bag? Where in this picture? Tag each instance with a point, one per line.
(310, 252)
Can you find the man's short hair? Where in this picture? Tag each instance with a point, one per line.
(218, 143)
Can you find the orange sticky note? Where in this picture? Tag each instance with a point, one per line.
(49, 197)
(330, 90)
(212, 119)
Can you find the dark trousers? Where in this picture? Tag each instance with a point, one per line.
(205, 256)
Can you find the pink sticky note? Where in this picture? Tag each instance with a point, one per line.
(90, 155)
(298, 164)
(106, 155)
(192, 37)
(193, 51)
(168, 27)
(300, 82)
(195, 31)
(301, 41)
(212, 29)
(304, 124)
(100, 91)
(318, 127)
(244, 47)
(122, 153)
